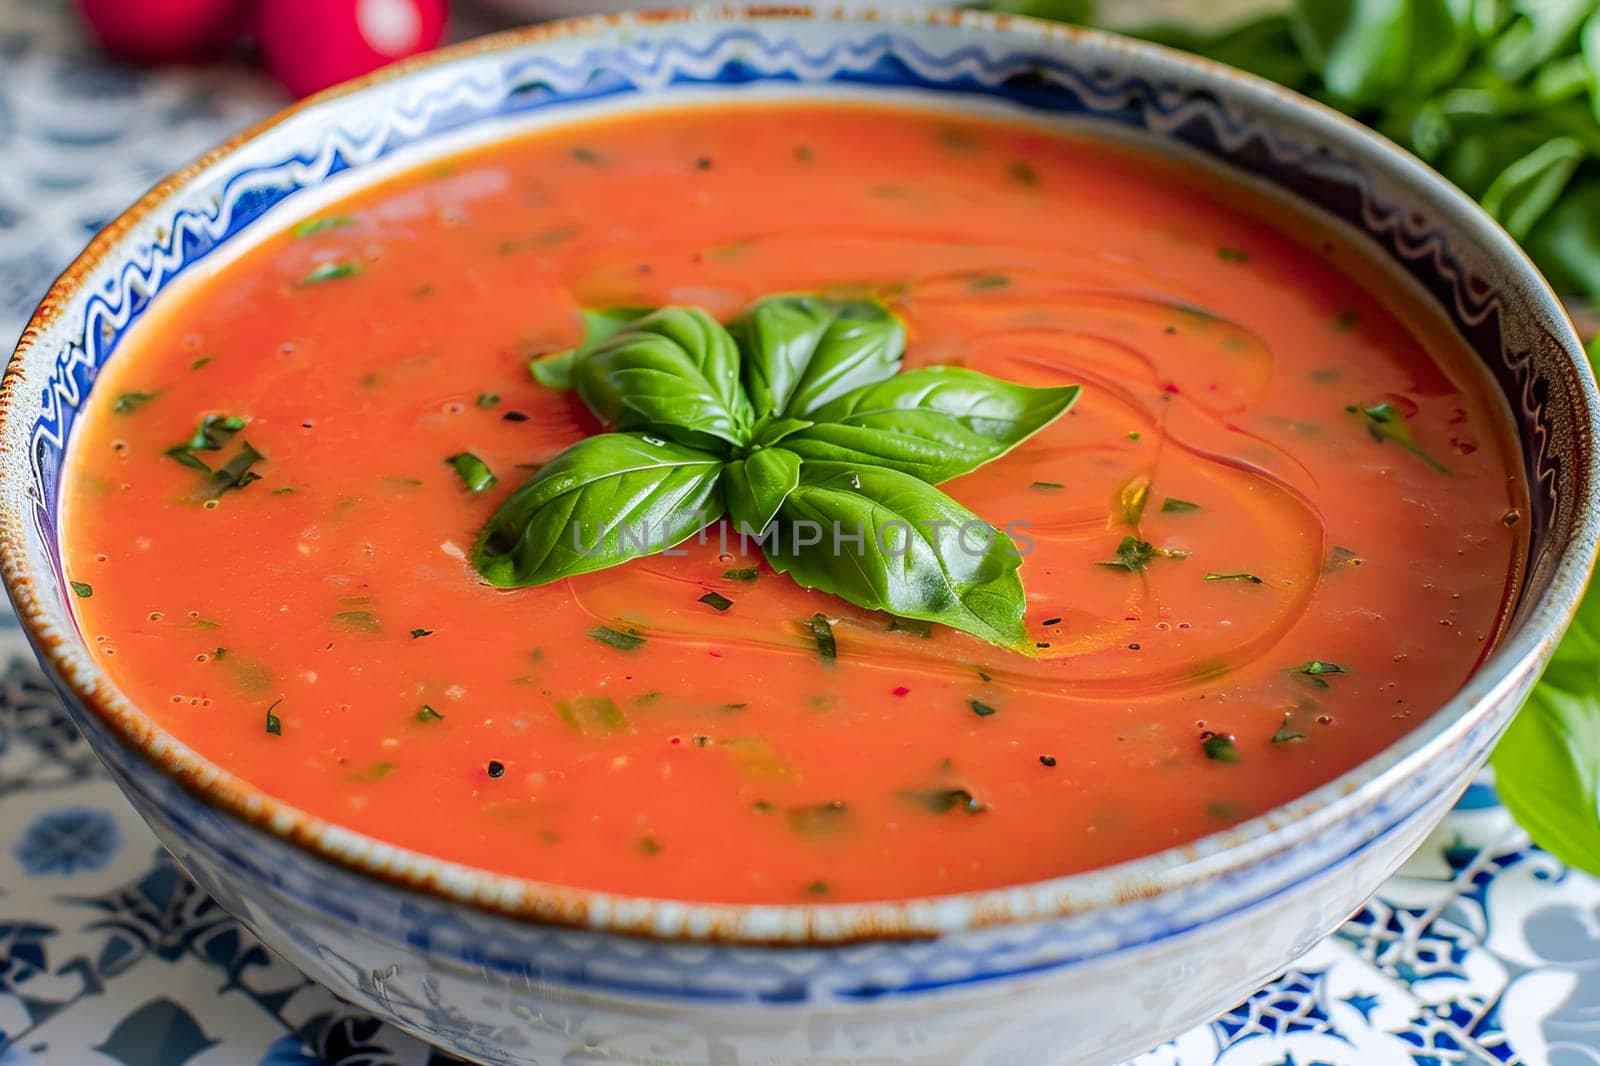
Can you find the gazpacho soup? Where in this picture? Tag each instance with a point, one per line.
(786, 502)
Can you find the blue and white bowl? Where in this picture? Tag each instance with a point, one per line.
(1083, 968)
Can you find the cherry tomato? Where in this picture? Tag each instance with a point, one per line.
(162, 31)
(311, 44)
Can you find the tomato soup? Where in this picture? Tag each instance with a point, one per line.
(1280, 526)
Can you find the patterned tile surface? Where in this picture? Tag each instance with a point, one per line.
(1482, 951)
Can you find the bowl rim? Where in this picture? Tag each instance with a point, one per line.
(1510, 664)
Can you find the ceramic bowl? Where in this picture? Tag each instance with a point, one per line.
(1090, 967)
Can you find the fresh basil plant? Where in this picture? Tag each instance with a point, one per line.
(794, 417)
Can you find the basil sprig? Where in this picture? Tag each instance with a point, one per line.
(793, 418)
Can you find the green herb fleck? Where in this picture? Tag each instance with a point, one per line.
(347, 268)
(474, 472)
(588, 156)
(745, 573)
(1023, 173)
(313, 226)
(1131, 499)
(214, 432)
(987, 282)
(1287, 733)
(1173, 505)
(979, 708)
(488, 399)
(129, 402)
(821, 631)
(944, 800)
(817, 888)
(1345, 321)
(236, 473)
(1340, 557)
(592, 715)
(1134, 554)
(1232, 255)
(415, 633)
(1317, 670)
(359, 621)
(621, 639)
(649, 846)
(200, 362)
(1385, 423)
(428, 714)
(716, 601)
(82, 589)
(1237, 576)
(274, 726)
(1220, 747)
(376, 772)
(1047, 486)
(818, 818)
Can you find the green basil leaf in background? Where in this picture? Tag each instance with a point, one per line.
(555, 370)
(1566, 242)
(755, 487)
(619, 496)
(1529, 187)
(1547, 766)
(802, 351)
(1540, 31)
(938, 566)
(1589, 49)
(935, 423)
(1368, 51)
(1264, 47)
(674, 372)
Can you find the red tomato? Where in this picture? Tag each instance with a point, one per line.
(311, 44)
(161, 31)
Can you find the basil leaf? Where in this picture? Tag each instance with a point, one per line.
(674, 372)
(801, 352)
(1264, 46)
(555, 370)
(1526, 190)
(1370, 51)
(756, 487)
(772, 430)
(1541, 31)
(921, 554)
(1547, 766)
(603, 501)
(1566, 242)
(935, 423)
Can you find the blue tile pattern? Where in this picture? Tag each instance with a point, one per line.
(1482, 950)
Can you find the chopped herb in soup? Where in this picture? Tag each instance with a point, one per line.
(1142, 504)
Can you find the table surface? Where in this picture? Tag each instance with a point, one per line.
(1482, 950)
